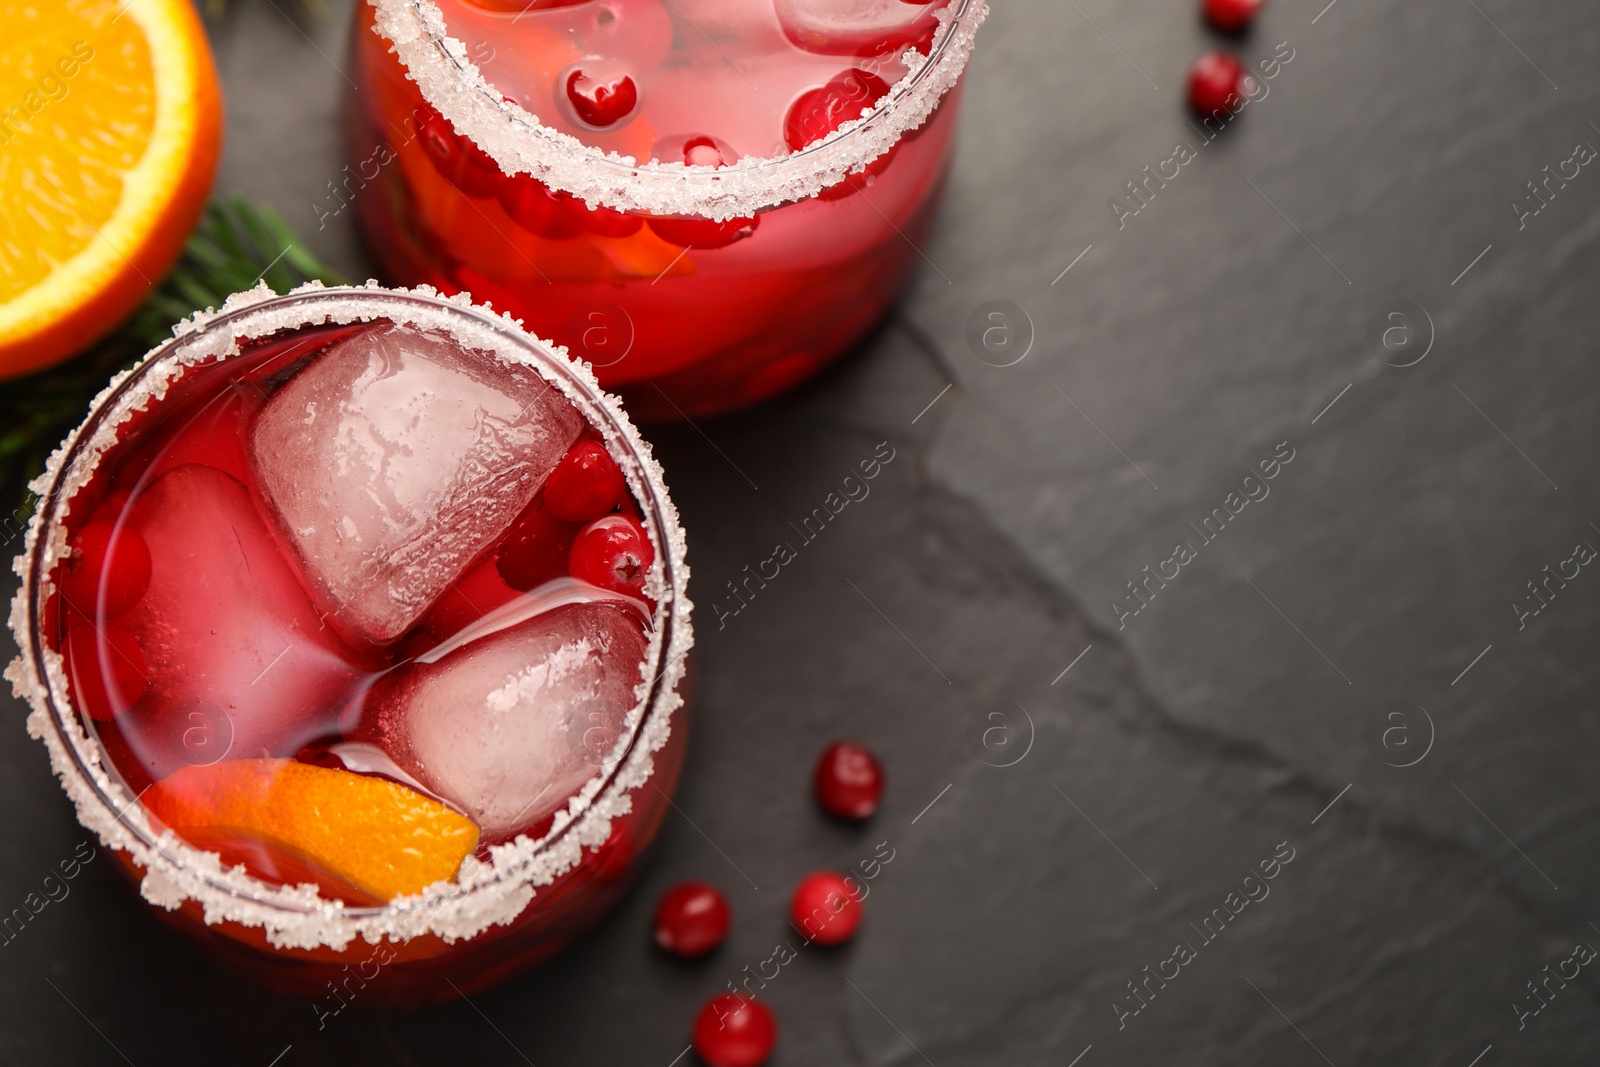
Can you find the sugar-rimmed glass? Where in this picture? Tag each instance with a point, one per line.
(806, 248)
(529, 897)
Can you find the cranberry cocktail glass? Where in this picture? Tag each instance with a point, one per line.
(707, 200)
(354, 623)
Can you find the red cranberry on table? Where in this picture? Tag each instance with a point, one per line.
(848, 780)
(1215, 81)
(692, 918)
(614, 553)
(1231, 16)
(733, 1030)
(825, 909)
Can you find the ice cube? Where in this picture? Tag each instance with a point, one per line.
(394, 460)
(510, 725)
(856, 27)
(237, 661)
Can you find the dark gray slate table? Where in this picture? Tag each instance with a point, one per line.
(1339, 675)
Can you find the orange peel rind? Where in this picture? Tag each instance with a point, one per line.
(110, 128)
(371, 833)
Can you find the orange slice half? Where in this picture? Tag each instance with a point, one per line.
(110, 126)
(370, 833)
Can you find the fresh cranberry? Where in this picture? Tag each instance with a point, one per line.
(699, 150)
(109, 565)
(538, 209)
(585, 485)
(733, 1030)
(536, 547)
(471, 597)
(825, 908)
(692, 918)
(703, 152)
(105, 670)
(695, 149)
(1231, 16)
(821, 111)
(848, 780)
(1216, 80)
(463, 164)
(600, 101)
(704, 233)
(613, 553)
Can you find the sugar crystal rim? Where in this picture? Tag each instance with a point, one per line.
(484, 893)
(520, 144)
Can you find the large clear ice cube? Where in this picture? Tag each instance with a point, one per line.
(510, 725)
(237, 662)
(394, 459)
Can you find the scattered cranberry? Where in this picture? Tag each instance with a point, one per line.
(821, 111)
(1232, 16)
(614, 554)
(824, 908)
(598, 101)
(848, 780)
(733, 1030)
(463, 164)
(1215, 81)
(106, 564)
(105, 670)
(538, 209)
(536, 548)
(585, 485)
(692, 918)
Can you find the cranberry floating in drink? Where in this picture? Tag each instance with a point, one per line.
(706, 200)
(354, 622)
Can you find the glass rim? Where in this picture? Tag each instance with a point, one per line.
(76, 753)
(519, 143)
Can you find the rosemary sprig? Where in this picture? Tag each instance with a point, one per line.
(235, 245)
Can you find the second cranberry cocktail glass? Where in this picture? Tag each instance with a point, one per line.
(707, 200)
(354, 623)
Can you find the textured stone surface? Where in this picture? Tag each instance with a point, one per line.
(1221, 720)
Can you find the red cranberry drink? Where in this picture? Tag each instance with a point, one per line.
(354, 622)
(707, 200)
